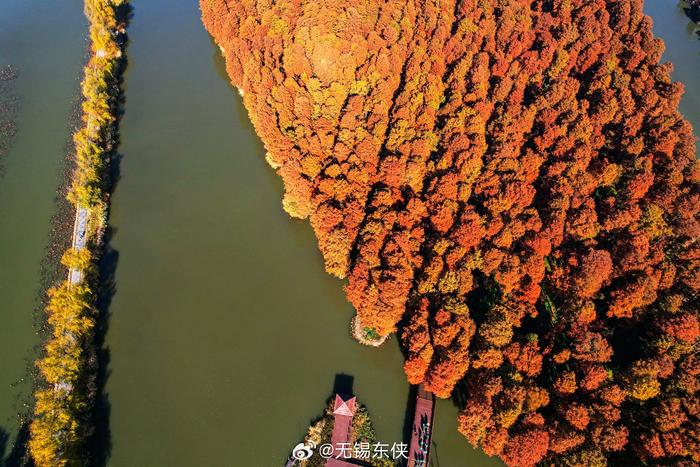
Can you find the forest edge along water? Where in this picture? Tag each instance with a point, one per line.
(224, 330)
(196, 192)
(282, 342)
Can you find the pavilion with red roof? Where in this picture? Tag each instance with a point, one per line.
(341, 439)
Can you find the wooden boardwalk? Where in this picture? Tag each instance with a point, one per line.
(79, 241)
(343, 413)
(422, 431)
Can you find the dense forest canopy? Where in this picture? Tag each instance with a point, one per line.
(507, 184)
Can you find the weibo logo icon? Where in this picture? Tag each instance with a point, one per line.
(303, 451)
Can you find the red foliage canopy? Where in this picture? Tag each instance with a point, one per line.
(508, 184)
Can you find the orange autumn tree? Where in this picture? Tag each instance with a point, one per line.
(506, 184)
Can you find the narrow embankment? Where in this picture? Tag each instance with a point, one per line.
(65, 387)
(42, 97)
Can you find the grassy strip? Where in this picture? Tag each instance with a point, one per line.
(62, 400)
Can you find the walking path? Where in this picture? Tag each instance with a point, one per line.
(79, 239)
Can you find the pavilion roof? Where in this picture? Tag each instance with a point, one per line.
(344, 405)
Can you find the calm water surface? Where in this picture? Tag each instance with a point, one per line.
(45, 41)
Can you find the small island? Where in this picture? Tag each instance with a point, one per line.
(344, 436)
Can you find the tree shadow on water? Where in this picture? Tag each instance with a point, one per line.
(4, 437)
(17, 456)
(100, 444)
(693, 12)
(99, 448)
(409, 414)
